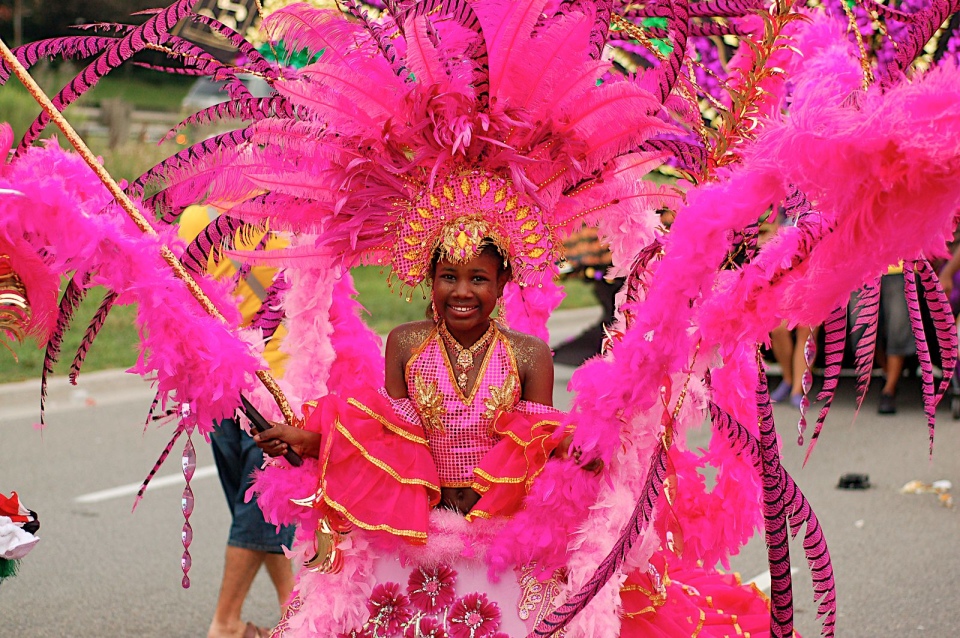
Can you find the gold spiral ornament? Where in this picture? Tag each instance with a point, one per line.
(15, 312)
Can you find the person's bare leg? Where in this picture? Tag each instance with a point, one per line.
(281, 573)
(240, 567)
(781, 342)
(894, 370)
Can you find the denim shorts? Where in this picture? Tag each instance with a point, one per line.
(237, 456)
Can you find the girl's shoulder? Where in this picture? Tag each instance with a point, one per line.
(527, 347)
(408, 336)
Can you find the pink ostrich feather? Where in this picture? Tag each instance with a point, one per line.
(363, 129)
(40, 281)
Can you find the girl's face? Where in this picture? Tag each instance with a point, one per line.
(465, 295)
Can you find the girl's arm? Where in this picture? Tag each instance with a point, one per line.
(535, 366)
(536, 376)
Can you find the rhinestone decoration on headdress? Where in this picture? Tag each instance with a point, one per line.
(458, 214)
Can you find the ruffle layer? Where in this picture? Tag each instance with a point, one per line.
(688, 601)
(376, 470)
(506, 472)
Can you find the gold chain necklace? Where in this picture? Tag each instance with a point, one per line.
(464, 361)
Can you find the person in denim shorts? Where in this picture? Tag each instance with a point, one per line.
(252, 541)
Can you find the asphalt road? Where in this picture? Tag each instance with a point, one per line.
(101, 570)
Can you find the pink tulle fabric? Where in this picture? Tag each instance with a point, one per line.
(376, 469)
(672, 600)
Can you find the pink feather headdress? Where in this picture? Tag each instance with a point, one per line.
(487, 123)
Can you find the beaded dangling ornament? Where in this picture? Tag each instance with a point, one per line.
(465, 358)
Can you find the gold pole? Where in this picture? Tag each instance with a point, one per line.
(130, 208)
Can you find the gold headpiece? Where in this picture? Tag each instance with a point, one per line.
(462, 213)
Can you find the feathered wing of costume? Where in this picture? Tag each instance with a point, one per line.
(444, 122)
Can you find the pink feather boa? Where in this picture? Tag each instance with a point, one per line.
(67, 215)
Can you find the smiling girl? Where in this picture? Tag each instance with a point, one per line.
(473, 394)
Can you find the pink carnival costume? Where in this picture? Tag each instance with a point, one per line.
(381, 465)
(442, 122)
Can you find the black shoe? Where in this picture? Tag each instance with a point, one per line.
(888, 404)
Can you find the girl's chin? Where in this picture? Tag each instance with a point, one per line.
(463, 320)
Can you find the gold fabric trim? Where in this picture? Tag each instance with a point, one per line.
(457, 484)
(418, 350)
(703, 619)
(379, 463)
(407, 533)
(385, 423)
(504, 480)
(475, 513)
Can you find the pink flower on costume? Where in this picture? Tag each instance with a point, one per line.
(428, 628)
(473, 616)
(389, 610)
(432, 590)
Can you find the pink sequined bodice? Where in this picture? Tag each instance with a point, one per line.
(458, 425)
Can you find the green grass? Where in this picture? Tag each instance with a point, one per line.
(145, 90)
(115, 347)
(117, 344)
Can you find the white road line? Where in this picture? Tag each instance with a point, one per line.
(131, 488)
(762, 581)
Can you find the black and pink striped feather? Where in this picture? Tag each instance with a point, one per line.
(944, 323)
(835, 341)
(923, 349)
(270, 314)
(80, 46)
(217, 234)
(246, 108)
(799, 513)
(93, 329)
(775, 526)
(73, 294)
(150, 32)
(255, 62)
(867, 311)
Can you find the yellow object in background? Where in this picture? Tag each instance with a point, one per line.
(253, 288)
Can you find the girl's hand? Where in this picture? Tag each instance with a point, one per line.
(281, 437)
(593, 464)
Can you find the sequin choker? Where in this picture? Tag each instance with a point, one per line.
(464, 360)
